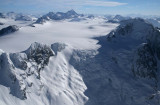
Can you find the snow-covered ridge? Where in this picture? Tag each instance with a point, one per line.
(123, 68)
(138, 29)
(39, 77)
(126, 69)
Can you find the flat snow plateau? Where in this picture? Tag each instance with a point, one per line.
(77, 34)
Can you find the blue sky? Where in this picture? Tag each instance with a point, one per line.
(143, 7)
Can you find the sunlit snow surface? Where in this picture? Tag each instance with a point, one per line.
(77, 34)
(62, 83)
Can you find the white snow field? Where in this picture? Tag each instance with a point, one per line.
(60, 82)
(77, 34)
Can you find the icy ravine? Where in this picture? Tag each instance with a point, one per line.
(34, 80)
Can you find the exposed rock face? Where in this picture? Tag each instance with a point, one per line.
(37, 74)
(9, 29)
(39, 53)
(9, 78)
(31, 61)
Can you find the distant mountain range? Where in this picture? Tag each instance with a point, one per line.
(123, 70)
(58, 16)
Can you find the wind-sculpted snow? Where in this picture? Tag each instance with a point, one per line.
(39, 77)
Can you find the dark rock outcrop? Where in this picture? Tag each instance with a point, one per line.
(8, 30)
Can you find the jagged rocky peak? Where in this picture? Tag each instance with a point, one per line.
(71, 12)
(41, 20)
(9, 29)
(40, 53)
(119, 17)
(136, 28)
(15, 68)
(57, 16)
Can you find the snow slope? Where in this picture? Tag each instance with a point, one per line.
(42, 74)
(59, 83)
(90, 64)
(126, 69)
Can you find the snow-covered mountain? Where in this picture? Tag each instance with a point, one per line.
(23, 18)
(58, 16)
(95, 65)
(126, 69)
(41, 75)
(117, 18)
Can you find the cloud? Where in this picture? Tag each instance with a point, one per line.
(96, 3)
(54, 5)
(64, 2)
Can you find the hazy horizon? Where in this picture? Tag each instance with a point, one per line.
(122, 7)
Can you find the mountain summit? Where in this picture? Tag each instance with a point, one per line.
(58, 16)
